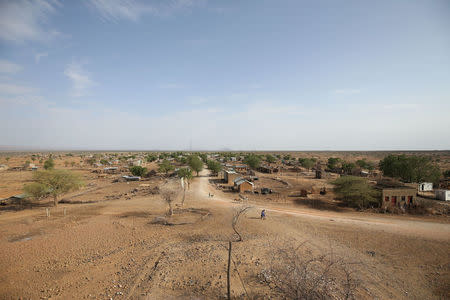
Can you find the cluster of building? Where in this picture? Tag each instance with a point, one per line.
(235, 176)
(407, 196)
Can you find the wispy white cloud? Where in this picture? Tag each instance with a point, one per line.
(114, 10)
(346, 91)
(81, 81)
(38, 56)
(24, 20)
(9, 67)
(15, 89)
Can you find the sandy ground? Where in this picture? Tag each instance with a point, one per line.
(112, 249)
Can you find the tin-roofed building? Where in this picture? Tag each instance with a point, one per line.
(243, 185)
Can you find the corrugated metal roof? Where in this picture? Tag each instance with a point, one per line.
(241, 181)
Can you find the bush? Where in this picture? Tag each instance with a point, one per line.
(165, 167)
(151, 158)
(49, 164)
(36, 190)
(333, 163)
(306, 162)
(356, 192)
(348, 167)
(270, 158)
(138, 171)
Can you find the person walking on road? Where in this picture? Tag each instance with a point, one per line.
(263, 214)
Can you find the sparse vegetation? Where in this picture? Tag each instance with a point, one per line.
(36, 191)
(252, 160)
(356, 192)
(49, 164)
(151, 158)
(195, 163)
(138, 171)
(55, 183)
(333, 163)
(169, 193)
(214, 166)
(299, 274)
(270, 158)
(410, 168)
(364, 164)
(165, 166)
(306, 163)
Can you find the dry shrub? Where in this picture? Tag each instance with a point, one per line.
(169, 192)
(296, 273)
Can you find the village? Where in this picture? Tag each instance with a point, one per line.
(120, 214)
(272, 177)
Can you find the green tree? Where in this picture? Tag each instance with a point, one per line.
(204, 157)
(356, 192)
(185, 173)
(252, 160)
(195, 163)
(151, 158)
(57, 182)
(410, 168)
(214, 166)
(165, 166)
(49, 164)
(348, 167)
(270, 158)
(104, 161)
(306, 163)
(446, 173)
(287, 157)
(138, 171)
(333, 163)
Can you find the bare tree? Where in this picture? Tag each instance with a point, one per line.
(169, 192)
(299, 274)
(237, 213)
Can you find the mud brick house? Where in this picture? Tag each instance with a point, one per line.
(392, 197)
(231, 176)
(243, 185)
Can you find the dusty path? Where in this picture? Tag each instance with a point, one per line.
(413, 227)
(112, 249)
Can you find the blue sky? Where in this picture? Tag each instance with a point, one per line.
(242, 75)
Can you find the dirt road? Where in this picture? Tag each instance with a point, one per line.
(114, 249)
(413, 227)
